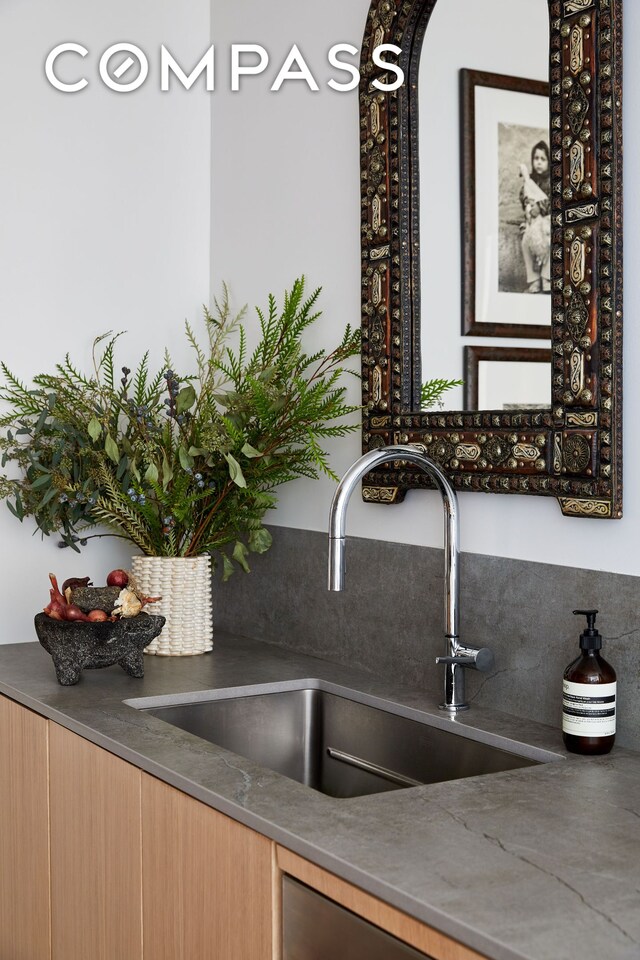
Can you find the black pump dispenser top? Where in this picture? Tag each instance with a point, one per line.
(590, 639)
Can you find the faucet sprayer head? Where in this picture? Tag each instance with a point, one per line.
(336, 563)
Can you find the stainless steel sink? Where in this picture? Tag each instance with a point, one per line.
(341, 746)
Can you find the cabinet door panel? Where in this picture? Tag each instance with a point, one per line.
(207, 881)
(95, 852)
(24, 834)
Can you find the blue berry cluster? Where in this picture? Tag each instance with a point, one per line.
(173, 387)
(136, 497)
(141, 414)
(78, 499)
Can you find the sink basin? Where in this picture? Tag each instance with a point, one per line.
(337, 741)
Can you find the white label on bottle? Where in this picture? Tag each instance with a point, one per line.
(589, 709)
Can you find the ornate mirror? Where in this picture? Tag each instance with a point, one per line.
(514, 283)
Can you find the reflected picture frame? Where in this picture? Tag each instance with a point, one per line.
(499, 115)
(474, 356)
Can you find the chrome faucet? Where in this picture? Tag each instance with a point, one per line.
(458, 655)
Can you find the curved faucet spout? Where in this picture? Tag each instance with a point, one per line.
(338, 513)
(458, 655)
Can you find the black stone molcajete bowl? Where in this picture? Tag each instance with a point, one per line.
(76, 646)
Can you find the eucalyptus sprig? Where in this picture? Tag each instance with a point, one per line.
(179, 463)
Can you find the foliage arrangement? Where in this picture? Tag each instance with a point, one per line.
(180, 464)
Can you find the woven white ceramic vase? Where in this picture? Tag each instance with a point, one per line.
(184, 583)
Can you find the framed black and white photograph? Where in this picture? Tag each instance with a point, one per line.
(506, 206)
(507, 378)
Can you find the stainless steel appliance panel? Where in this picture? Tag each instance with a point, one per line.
(315, 928)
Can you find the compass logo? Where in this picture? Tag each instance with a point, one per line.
(124, 68)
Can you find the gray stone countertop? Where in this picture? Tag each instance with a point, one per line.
(541, 863)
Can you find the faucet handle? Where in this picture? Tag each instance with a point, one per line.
(485, 660)
(478, 658)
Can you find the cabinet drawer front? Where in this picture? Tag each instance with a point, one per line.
(315, 928)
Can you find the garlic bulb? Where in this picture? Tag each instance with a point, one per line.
(128, 604)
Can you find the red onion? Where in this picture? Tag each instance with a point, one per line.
(118, 578)
(97, 616)
(55, 591)
(72, 612)
(53, 612)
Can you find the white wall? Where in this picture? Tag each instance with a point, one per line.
(286, 200)
(104, 224)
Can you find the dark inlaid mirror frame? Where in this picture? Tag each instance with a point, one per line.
(572, 450)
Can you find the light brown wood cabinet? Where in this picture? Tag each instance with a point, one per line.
(96, 853)
(207, 881)
(24, 834)
(142, 871)
(100, 860)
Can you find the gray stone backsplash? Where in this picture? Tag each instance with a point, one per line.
(389, 619)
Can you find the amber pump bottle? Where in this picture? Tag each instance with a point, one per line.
(589, 695)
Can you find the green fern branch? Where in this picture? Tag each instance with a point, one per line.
(432, 391)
